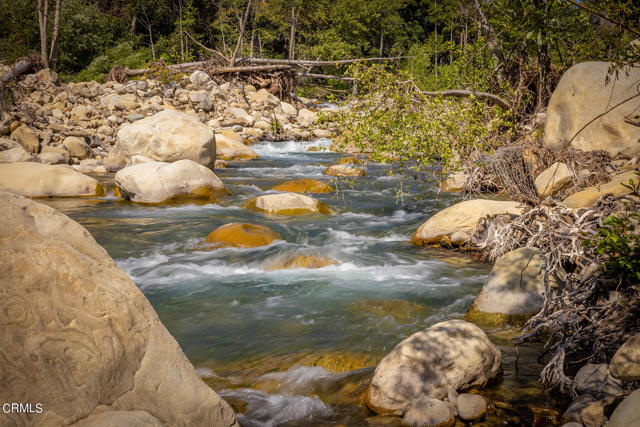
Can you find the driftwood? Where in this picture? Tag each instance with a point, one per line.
(20, 67)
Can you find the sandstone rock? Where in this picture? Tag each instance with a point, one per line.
(265, 99)
(461, 217)
(288, 109)
(343, 170)
(201, 99)
(136, 160)
(47, 75)
(63, 299)
(287, 204)
(625, 364)
(114, 100)
(119, 418)
(596, 380)
(300, 261)
(553, 179)
(220, 164)
(581, 95)
(8, 144)
(16, 154)
(77, 147)
(627, 413)
(199, 78)
(471, 407)
(304, 186)
(238, 116)
(242, 235)
(306, 117)
(514, 289)
(400, 310)
(427, 412)
(39, 180)
(454, 182)
(27, 138)
(160, 182)
(166, 137)
(590, 195)
(229, 146)
(57, 155)
(451, 355)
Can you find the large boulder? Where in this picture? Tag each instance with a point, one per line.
(79, 338)
(242, 235)
(27, 138)
(16, 154)
(287, 204)
(625, 364)
(54, 155)
(230, 146)
(589, 196)
(555, 178)
(304, 185)
(449, 356)
(460, 219)
(167, 136)
(40, 180)
(160, 182)
(77, 147)
(627, 413)
(582, 95)
(514, 289)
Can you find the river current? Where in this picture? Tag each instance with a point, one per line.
(297, 347)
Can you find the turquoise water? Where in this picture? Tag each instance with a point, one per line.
(237, 321)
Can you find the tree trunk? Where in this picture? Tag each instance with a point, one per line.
(20, 67)
(43, 19)
(181, 40)
(292, 35)
(381, 42)
(53, 54)
(243, 22)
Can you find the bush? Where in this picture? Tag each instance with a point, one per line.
(124, 54)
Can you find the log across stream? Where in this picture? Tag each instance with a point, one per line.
(298, 346)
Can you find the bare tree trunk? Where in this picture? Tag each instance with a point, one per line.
(243, 22)
(43, 19)
(292, 35)
(381, 42)
(147, 24)
(260, 45)
(181, 40)
(53, 54)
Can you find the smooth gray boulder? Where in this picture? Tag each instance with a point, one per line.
(625, 364)
(627, 414)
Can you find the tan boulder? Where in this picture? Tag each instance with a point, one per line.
(555, 178)
(27, 138)
(454, 182)
(242, 235)
(77, 147)
(39, 180)
(287, 204)
(264, 98)
(300, 261)
(160, 182)
(343, 170)
(304, 186)
(54, 155)
(590, 195)
(47, 75)
(288, 109)
(306, 117)
(582, 95)
(16, 154)
(625, 364)
(230, 146)
(449, 356)
(167, 136)
(461, 220)
(81, 339)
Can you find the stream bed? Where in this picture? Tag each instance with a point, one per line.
(298, 347)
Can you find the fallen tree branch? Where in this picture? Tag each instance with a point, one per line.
(302, 62)
(494, 99)
(21, 66)
(325, 76)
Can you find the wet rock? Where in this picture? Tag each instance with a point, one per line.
(471, 407)
(428, 412)
(166, 136)
(40, 180)
(304, 185)
(242, 235)
(454, 182)
(553, 179)
(160, 182)
(514, 289)
(461, 217)
(220, 164)
(77, 147)
(64, 299)
(343, 170)
(400, 310)
(287, 204)
(589, 196)
(627, 413)
(57, 155)
(16, 154)
(27, 138)
(230, 146)
(581, 95)
(625, 364)
(451, 355)
(300, 261)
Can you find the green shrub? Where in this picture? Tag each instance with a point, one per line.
(124, 54)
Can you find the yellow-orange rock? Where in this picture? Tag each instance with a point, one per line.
(301, 261)
(304, 185)
(287, 204)
(242, 235)
(343, 170)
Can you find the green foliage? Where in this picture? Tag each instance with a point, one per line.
(18, 29)
(125, 54)
(618, 242)
(394, 122)
(159, 72)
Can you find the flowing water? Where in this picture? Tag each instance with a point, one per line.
(297, 347)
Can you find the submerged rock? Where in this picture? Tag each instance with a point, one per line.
(401, 310)
(428, 412)
(304, 185)
(461, 218)
(242, 235)
(160, 182)
(300, 261)
(287, 204)
(40, 180)
(471, 407)
(452, 355)
(513, 291)
(343, 170)
(76, 329)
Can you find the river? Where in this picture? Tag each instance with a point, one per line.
(297, 347)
